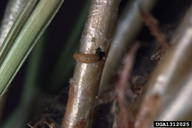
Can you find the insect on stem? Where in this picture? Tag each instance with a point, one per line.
(89, 58)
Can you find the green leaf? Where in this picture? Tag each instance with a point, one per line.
(23, 43)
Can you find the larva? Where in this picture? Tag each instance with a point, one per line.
(88, 58)
(91, 58)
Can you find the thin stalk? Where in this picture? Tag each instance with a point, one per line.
(26, 39)
(120, 120)
(169, 82)
(97, 34)
(128, 28)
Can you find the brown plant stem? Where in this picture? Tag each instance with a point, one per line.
(123, 86)
(154, 28)
(97, 35)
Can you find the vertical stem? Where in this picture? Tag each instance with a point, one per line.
(85, 83)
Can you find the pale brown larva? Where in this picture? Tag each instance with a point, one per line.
(87, 58)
